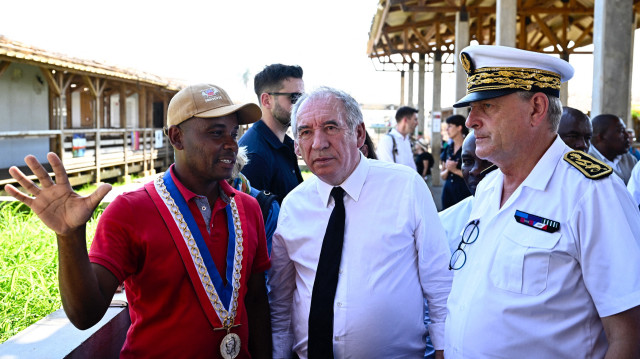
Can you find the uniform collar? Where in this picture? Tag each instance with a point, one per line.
(538, 178)
(352, 185)
(541, 174)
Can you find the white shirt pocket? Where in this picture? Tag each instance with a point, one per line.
(521, 262)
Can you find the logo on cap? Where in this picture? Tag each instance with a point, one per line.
(211, 94)
(467, 63)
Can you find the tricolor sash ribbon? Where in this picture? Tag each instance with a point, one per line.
(536, 222)
(206, 280)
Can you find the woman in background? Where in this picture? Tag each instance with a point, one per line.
(454, 190)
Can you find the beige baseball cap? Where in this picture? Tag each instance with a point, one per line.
(206, 101)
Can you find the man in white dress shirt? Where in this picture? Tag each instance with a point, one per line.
(548, 265)
(396, 145)
(394, 253)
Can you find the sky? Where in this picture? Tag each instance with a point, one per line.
(213, 41)
(228, 42)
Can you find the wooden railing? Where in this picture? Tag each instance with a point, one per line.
(109, 152)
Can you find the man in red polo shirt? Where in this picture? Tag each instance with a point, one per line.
(190, 249)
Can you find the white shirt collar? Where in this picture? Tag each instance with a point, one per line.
(352, 185)
(394, 131)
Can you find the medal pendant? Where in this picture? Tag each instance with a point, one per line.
(230, 346)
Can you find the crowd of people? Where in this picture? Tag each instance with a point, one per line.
(529, 259)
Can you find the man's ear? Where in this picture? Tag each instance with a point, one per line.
(265, 100)
(361, 134)
(296, 149)
(539, 109)
(175, 137)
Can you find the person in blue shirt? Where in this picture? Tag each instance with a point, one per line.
(273, 164)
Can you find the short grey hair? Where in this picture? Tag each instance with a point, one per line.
(353, 114)
(554, 113)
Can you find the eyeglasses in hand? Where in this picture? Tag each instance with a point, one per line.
(470, 235)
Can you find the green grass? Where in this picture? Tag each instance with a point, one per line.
(28, 268)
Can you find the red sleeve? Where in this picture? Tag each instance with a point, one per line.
(116, 242)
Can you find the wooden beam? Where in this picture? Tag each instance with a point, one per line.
(439, 41)
(479, 36)
(565, 25)
(53, 85)
(89, 84)
(64, 85)
(405, 39)
(386, 43)
(423, 42)
(444, 9)
(547, 31)
(4, 65)
(555, 11)
(587, 30)
(523, 33)
(382, 21)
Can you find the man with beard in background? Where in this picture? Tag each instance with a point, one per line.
(273, 165)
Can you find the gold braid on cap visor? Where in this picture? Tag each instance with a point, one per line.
(499, 78)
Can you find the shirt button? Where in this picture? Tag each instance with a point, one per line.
(204, 208)
(337, 338)
(340, 272)
(339, 304)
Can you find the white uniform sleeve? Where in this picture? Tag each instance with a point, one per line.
(433, 260)
(634, 183)
(608, 233)
(385, 147)
(281, 279)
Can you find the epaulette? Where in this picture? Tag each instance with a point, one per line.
(486, 171)
(589, 166)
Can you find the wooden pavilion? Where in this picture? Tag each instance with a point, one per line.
(103, 121)
(402, 28)
(431, 33)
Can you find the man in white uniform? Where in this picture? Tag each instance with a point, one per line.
(393, 254)
(547, 267)
(396, 145)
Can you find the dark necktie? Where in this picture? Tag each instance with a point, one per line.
(324, 287)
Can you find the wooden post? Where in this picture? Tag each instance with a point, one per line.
(165, 102)
(123, 125)
(152, 150)
(142, 123)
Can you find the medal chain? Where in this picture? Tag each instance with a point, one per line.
(226, 317)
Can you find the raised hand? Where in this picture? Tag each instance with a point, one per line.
(55, 203)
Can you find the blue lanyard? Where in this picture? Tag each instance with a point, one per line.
(224, 291)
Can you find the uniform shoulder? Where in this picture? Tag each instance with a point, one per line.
(588, 165)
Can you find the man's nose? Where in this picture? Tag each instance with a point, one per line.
(319, 140)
